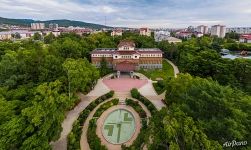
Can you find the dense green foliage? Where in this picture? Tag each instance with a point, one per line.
(200, 58)
(171, 128)
(222, 112)
(93, 139)
(135, 94)
(34, 91)
(105, 106)
(74, 136)
(135, 105)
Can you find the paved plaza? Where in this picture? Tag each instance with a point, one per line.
(124, 84)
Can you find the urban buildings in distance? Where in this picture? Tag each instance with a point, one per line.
(239, 30)
(218, 30)
(161, 35)
(203, 29)
(117, 32)
(245, 38)
(37, 26)
(127, 58)
(145, 31)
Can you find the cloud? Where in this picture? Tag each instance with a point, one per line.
(134, 13)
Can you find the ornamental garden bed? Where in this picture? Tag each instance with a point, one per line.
(75, 134)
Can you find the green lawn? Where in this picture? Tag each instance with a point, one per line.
(167, 71)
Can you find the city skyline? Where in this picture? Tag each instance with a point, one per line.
(129, 13)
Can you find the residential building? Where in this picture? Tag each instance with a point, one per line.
(37, 26)
(173, 40)
(218, 30)
(203, 29)
(117, 32)
(198, 34)
(5, 35)
(184, 34)
(145, 31)
(53, 27)
(161, 35)
(245, 38)
(239, 30)
(127, 58)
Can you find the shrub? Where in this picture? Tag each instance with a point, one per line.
(135, 105)
(135, 93)
(93, 139)
(74, 136)
(105, 106)
(145, 101)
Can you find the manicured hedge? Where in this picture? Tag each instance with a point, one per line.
(135, 105)
(75, 134)
(93, 139)
(138, 143)
(105, 106)
(135, 94)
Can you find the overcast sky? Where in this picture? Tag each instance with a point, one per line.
(134, 13)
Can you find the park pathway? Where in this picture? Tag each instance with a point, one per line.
(175, 68)
(149, 92)
(72, 115)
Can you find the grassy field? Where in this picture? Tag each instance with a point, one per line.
(167, 71)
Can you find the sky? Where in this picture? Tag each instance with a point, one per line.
(134, 13)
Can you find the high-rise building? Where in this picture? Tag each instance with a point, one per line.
(53, 26)
(203, 29)
(37, 26)
(218, 30)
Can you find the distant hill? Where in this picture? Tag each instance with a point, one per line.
(61, 23)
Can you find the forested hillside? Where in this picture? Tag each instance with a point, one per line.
(60, 22)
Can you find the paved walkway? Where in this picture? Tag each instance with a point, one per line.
(146, 90)
(175, 68)
(149, 92)
(124, 84)
(84, 145)
(71, 116)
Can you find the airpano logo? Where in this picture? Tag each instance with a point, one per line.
(234, 143)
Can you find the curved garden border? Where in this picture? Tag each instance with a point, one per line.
(75, 134)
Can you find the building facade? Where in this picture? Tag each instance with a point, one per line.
(218, 30)
(53, 27)
(203, 29)
(245, 38)
(37, 26)
(117, 32)
(145, 31)
(161, 35)
(239, 30)
(127, 58)
(5, 36)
